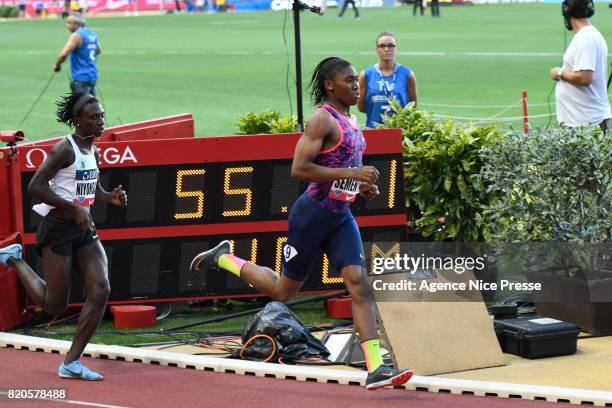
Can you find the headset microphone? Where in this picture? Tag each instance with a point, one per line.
(576, 9)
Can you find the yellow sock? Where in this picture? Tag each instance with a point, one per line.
(372, 353)
(231, 263)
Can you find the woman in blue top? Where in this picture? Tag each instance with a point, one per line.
(385, 81)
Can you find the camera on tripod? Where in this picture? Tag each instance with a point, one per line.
(11, 136)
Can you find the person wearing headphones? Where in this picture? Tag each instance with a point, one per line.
(385, 81)
(581, 92)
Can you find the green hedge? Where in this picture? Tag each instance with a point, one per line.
(445, 196)
(8, 11)
(552, 184)
(270, 121)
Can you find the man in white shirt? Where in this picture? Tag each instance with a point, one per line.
(581, 92)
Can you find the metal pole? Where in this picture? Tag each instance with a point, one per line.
(525, 112)
(297, 7)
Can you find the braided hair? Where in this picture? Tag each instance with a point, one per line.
(66, 107)
(327, 69)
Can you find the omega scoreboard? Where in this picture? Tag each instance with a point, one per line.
(185, 195)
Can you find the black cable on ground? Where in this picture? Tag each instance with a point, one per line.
(253, 311)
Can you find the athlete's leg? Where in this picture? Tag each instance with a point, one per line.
(345, 251)
(265, 280)
(309, 225)
(51, 293)
(361, 302)
(281, 288)
(91, 263)
(379, 375)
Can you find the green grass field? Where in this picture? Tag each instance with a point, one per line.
(221, 66)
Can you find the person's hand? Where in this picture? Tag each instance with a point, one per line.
(57, 67)
(83, 219)
(554, 73)
(366, 174)
(119, 196)
(368, 191)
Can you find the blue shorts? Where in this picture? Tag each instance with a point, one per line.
(313, 229)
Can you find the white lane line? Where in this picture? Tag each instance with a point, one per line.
(485, 54)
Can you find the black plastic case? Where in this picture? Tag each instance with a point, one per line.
(536, 336)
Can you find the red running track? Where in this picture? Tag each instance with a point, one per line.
(144, 385)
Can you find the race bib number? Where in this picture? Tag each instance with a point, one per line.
(86, 183)
(344, 190)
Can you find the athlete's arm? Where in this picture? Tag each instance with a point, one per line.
(117, 197)
(60, 156)
(73, 43)
(368, 191)
(411, 86)
(361, 104)
(318, 128)
(98, 49)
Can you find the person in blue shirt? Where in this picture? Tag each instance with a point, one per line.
(384, 81)
(83, 47)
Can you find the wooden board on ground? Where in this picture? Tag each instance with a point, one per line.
(438, 332)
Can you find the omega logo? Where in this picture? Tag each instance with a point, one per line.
(110, 155)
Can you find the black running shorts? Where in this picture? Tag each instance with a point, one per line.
(62, 236)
